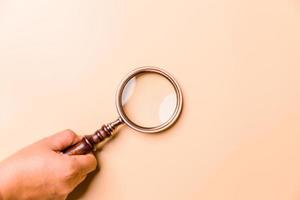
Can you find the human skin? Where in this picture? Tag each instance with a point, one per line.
(237, 63)
(41, 171)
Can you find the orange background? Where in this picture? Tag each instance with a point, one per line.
(237, 63)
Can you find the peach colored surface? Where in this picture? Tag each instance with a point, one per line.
(238, 65)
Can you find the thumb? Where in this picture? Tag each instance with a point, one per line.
(62, 140)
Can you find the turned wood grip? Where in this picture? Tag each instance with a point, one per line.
(89, 142)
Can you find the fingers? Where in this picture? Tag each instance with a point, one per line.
(86, 163)
(62, 140)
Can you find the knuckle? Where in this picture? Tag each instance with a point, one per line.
(94, 162)
(70, 170)
(69, 133)
(91, 161)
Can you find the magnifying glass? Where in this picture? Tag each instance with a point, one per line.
(148, 100)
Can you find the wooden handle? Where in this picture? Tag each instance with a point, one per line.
(89, 142)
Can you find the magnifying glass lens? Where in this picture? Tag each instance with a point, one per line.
(149, 99)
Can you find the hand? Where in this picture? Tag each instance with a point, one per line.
(41, 171)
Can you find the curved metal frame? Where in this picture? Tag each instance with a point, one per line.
(154, 129)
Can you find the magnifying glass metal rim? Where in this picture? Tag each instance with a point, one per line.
(160, 127)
